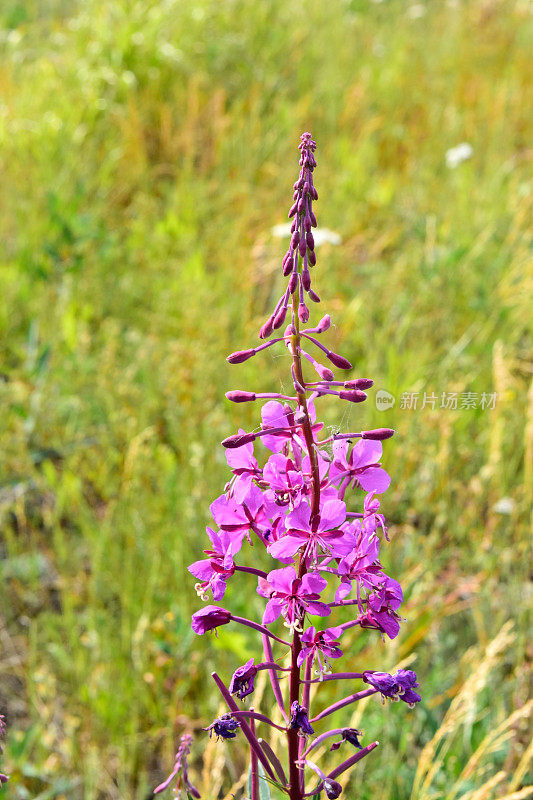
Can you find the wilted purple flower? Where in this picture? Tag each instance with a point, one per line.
(382, 605)
(320, 644)
(332, 788)
(300, 719)
(209, 618)
(397, 687)
(292, 596)
(350, 735)
(180, 772)
(224, 727)
(242, 681)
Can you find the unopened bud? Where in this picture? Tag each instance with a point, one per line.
(379, 434)
(295, 238)
(267, 329)
(322, 326)
(310, 240)
(238, 440)
(325, 373)
(354, 397)
(239, 356)
(339, 361)
(238, 396)
(306, 280)
(332, 788)
(303, 247)
(293, 210)
(303, 312)
(313, 219)
(359, 383)
(293, 282)
(279, 319)
(312, 258)
(313, 295)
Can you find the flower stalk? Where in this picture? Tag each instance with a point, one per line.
(293, 503)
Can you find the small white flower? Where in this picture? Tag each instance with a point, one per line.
(456, 155)
(504, 506)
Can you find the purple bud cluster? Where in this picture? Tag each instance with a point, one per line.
(301, 252)
(291, 500)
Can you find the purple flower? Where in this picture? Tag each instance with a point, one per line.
(382, 605)
(320, 535)
(361, 467)
(209, 618)
(285, 483)
(350, 735)
(224, 727)
(244, 467)
(276, 415)
(214, 571)
(241, 517)
(292, 596)
(372, 520)
(300, 719)
(361, 564)
(396, 687)
(315, 644)
(242, 681)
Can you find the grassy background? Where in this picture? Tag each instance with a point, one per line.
(147, 150)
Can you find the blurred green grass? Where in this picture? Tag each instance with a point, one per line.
(147, 149)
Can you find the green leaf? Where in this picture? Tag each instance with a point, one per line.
(264, 788)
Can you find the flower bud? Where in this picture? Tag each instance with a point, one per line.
(332, 788)
(238, 440)
(359, 383)
(238, 396)
(306, 280)
(379, 434)
(339, 361)
(267, 329)
(313, 218)
(239, 356)
(295, 238)
(323, 326)
(310, 240)
(303, 247)
(313, 295)
(354, 397)
(279, 319)
(312, 258)
(325, 373)
(303, 312)
(293, 210)
(293, 282)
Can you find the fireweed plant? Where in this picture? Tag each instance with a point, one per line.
(294, 506)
